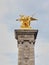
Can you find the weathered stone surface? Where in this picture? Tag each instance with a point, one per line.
(26, 40)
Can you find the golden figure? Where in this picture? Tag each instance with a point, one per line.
(25, 21)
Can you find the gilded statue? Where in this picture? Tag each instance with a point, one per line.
(25, 20)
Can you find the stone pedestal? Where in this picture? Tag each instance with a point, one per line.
(26, 41)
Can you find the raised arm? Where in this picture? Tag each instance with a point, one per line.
(32, 18)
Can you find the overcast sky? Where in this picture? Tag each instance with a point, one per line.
(9, 11)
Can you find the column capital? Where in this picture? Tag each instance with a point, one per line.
(25, 33)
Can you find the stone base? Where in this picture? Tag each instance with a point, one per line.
(26, 40)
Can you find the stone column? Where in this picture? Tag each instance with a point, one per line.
(26, 41)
